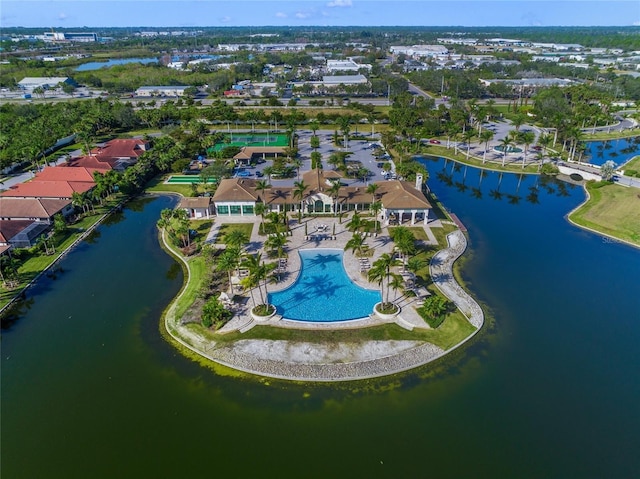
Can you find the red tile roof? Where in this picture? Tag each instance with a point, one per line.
(48, 189)
(90, 162)
(66, 174)
(121, 148)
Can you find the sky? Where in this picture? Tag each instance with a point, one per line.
(216, 13)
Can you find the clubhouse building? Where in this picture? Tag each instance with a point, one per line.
(400, 201)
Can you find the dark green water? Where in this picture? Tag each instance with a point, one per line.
(90, 389)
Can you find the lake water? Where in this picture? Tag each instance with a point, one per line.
(551, 389)
(619, 151)
(109, 63)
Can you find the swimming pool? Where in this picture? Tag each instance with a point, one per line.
(323, 292)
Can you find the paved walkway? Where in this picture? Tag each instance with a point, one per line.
(441, 269)
(305, 361)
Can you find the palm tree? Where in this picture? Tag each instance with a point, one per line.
(236, 238)
(405, 241)
(356, 244)
(297, 164)
(261, 209)
(505, 143)
(262, 186)
(314, 126)
(259, 271)
(526, 137)
(299, 190)
(396, 283)
(228, 261)
(78, 201)
(334, 192)
(486, 136)
(277, 243)
(372, 189)
(376, 206)
(345, 126)
(381, 272)
(436, 306)
(356, 222)
(468, 136)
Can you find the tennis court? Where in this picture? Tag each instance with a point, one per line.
(187, 179)
(255, 139)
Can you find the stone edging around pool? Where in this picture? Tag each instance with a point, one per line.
(301, 361)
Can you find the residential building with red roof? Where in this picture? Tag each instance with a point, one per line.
(48, 189)
(54, 173)
(89, 162)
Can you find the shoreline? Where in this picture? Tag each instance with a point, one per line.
(18, 295)
(602, 234)
(273, 358)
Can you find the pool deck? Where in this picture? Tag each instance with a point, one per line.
(339, 361)
(408, 317)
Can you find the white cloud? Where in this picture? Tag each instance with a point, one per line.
(303, 15)
(62, 16)
(281, 15)
(226, 19)
(339, 3)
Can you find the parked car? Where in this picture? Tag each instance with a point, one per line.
(433, 141)
(259, 174)
(243, 174)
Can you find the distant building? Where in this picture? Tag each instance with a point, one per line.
(420, 51)
(78, 37)
(345, 66)
(31, 83)
(530, 83)
(150, 91)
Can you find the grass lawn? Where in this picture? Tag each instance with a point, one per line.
(201, 227)
(633, 164)
(461, 157)
(453, 330)
(614, 135)
(613, 210)
(227, 228)
(418, 233)
(157, 185)
(197, 268)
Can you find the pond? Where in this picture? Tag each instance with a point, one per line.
(112, 62)
(619, 151)
(91, 389)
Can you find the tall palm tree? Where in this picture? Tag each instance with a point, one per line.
(405, 242)
(262, 186)
(260, 272)
(527, 138)
(376, 206)
(486, 136)
(297, 164)
(299, 190)
(334, 192)
(505, 143)
(229, 261)
(468, 136)
(381, 272)
(372, 190)
(345, 126)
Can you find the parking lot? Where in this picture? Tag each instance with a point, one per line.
(361, 151)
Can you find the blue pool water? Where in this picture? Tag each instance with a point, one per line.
(323, 292)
